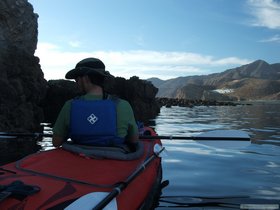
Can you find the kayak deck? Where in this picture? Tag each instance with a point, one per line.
(64, 176)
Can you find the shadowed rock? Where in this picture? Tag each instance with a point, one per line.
(139, 93)
(22, 83)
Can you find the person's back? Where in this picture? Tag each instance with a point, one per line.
(94, 118)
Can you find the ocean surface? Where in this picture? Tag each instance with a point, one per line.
(195, 169)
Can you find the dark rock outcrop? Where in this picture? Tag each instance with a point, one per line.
(19, 26)
(59, 91)
(22, 88)
(139, 93)
(22, 83)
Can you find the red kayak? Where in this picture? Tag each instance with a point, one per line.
(81, 177)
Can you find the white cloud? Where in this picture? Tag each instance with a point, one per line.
(266, 13)
(55, 62)
(230, 61)
(275, 38)
(75, 44)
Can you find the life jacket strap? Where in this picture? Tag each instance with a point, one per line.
(18, 190)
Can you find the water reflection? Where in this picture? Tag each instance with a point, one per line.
(260, 120)
(195, 169)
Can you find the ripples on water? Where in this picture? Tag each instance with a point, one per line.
(260, 120)
(194, 169)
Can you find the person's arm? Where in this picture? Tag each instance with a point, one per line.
(132, 131)
(61, 126)
(133, 135)
(57, 140)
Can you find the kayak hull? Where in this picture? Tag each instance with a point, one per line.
(64, 177)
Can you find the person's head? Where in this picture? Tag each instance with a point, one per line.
(91, 68)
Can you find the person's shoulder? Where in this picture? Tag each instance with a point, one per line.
(125, 105)
(68, 102)
(119, 101)
(124, 102)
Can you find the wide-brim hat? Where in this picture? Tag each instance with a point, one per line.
(87, 66)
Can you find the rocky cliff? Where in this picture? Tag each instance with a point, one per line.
(22, 83)
(21, 79)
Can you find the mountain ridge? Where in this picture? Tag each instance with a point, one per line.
(254, 81)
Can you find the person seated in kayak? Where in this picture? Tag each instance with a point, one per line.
(94, 118)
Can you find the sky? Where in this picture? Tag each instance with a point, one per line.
(156, 38)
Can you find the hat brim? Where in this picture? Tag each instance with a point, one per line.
(81, 71)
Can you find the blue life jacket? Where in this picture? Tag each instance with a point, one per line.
(94, 122)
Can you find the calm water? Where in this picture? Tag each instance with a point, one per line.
(194, 169)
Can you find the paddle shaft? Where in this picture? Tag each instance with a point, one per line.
(25, 134)
(117, 190)
(200, 138)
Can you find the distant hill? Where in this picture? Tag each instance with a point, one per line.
(156, 81)
(254, 81)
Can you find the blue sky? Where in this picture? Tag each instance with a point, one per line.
(156, 38)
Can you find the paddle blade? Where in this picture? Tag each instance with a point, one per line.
(89, 201)
(238, 134)
(159, 150)
(235, 143)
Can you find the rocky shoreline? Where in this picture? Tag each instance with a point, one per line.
(169, 102)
